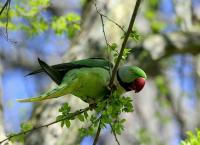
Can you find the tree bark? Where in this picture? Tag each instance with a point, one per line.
(2, 133)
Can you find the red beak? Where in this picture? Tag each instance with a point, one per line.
(137, 85)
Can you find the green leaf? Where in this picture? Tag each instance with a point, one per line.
(87, 131)
(157, 26)
(81, 117)
(126, 52)
(59, 25)
(117, 127)
(86, 115)
(161, 84)
(113, 46)
(72, 17)
(192, 138)
(150, 14)
(154, 3)
(16, 137)
(65, 108)
(26, 126)
(67, 123)
(134, 35)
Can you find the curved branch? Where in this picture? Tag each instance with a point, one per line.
(46, 125)
(161, 46)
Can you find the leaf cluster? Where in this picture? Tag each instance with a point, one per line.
(33, 17)
(113, 48)
(108, 113)
(151, 15)
(20, 137)
(64, 110)
(192, 138)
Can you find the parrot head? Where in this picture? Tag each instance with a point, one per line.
(131, 78)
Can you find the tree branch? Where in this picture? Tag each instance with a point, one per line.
(97, 134)
(46, 125)
(109, 19)
(161, 46)
(5, 6)
(114, 71)
(116, 139)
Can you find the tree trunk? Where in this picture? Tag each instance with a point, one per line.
(2, 133)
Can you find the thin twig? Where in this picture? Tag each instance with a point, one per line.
(114, 71)
(7, 18)
(102, 23)
(97, 134)
(46, 125)
(103, 15)
(104, 33)
(116, 139)
(5, 6)
(114, 22)
(115, 135)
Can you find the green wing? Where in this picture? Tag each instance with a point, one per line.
(57, 72)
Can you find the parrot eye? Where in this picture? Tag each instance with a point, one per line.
(138, 84)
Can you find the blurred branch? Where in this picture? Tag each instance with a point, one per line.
(161, 46)
(183, 10)
(2, 133)
(19, 58)
(177, 115)
(109, 19)
(102, 23)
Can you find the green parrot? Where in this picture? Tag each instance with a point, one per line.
(88, 79)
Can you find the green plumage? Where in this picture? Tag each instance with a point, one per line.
(88, 84)
(87, 79)
(130, 73)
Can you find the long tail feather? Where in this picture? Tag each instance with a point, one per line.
(54, 93)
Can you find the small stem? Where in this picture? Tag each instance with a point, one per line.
(109, 19)
(46, 125)
(116, 139)
(5, 6)
(114, 22)
(115, 135)
(114, 71)
(97, 134)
